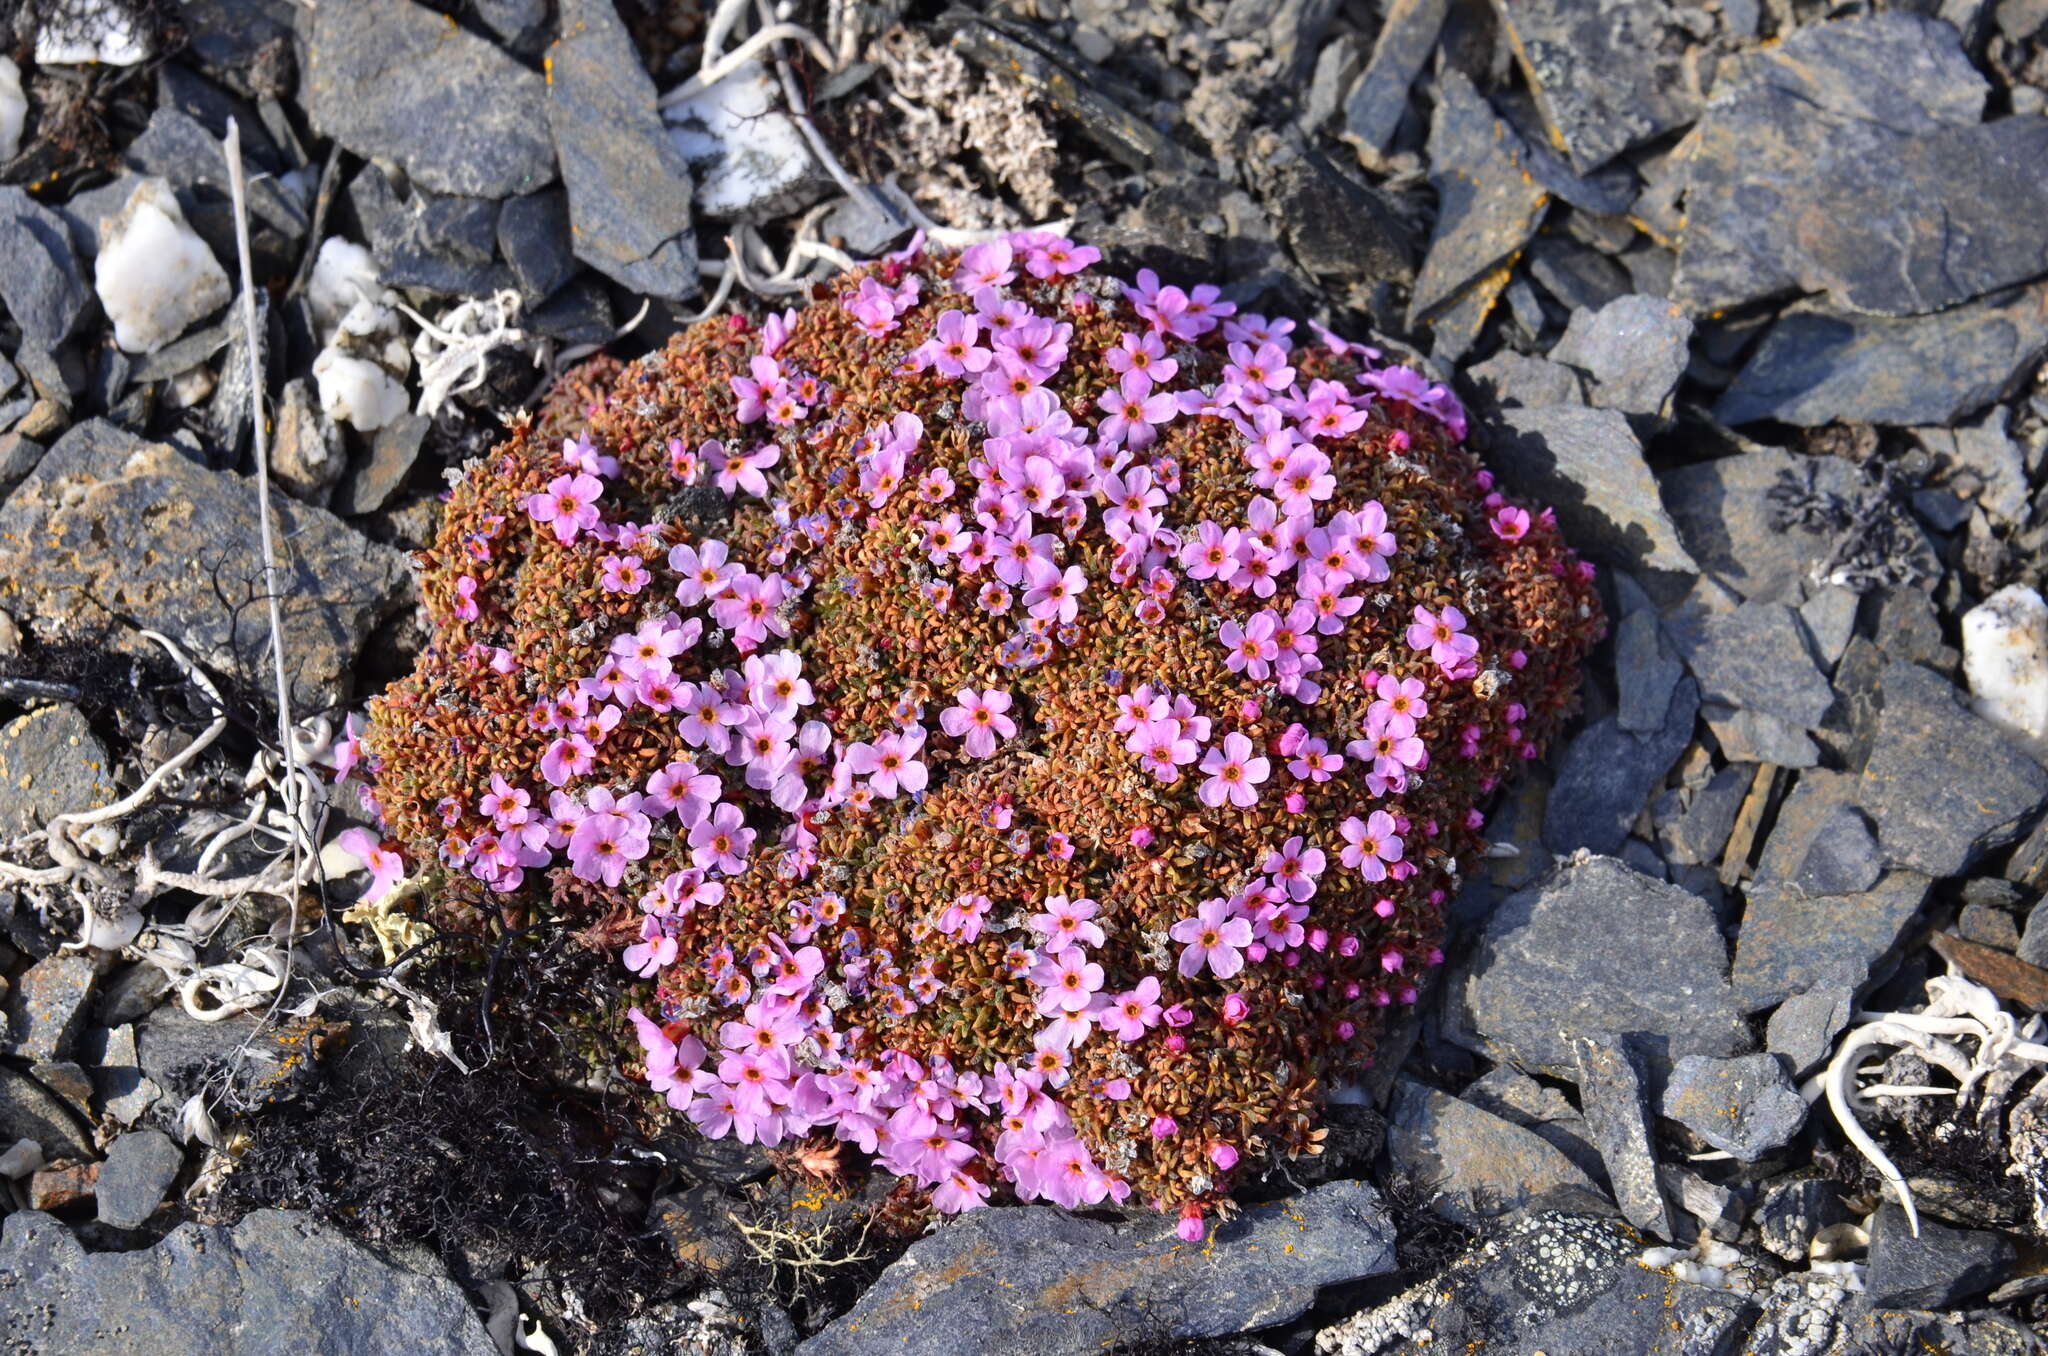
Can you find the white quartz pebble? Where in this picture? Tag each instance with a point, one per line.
(155, 276)
(357, 391)
(2005, 660)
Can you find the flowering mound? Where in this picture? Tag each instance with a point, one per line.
(1026, 725)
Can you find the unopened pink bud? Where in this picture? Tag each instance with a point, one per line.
(1235, 1009)
(1141, 837)
(1249, 709)
(1223, 1155)
(1295, 803)
(1164, 1127)
(1345, 1031)
(1191, 1229)
(1348, 945)
(1391, 960)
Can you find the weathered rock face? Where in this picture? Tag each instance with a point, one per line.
(277, 1281)
(393, 79)
(51, 763)
(1659, 972)
(112, 532)
(1035, 1281)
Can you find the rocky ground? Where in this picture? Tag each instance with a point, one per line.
(1754, 291)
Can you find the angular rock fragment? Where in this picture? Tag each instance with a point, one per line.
(1937, 1268)
(40, 280)
(1039, 1279)
(1607, 74)
(1927, 817)
(1632, 350)
(1475, 1164)
(1373, 110)
(1588, 465)
(1759, 657)
(393, 79)
(1728, 519)
(1607, 774)
(1488, 206)
(1818, 367)
(279, 1280)
(1659, 974)
(1791, 940)
(1617, 1106)
(629, 185)
(1745, 1106)
(139, 1169)
(1814, 170)
(51, 763)
(70, 548)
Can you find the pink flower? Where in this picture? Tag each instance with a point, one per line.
(569, 504)
(1134, 409)
(891, 764)
(386, 868)
(1234, 773)
(1054, 595)
(1065, 923)
(980, 718)
(654, 952)
(1294, 868)
(1370, 844)
(1130, 1015)
(567, 757)
(742, 470)
(623, 574)
(958, 1193)
(704, 571)
(963, 917)
(1304, 482)
(1252, 648)
(1067, 981)
(465, 598)
(1510, 523)
(1163, 748)
(1212, 938)
(1442, 634)
(721, 840)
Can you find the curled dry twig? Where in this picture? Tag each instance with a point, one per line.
(1957, 1007)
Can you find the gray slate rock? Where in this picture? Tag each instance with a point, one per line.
(1758, 657)
(1633, 351)
(1617, 1106)
(1791, 1212)
(306, 452)
(392, 79)
(1746, 1106)
(1791, 940)
(40, 279)
(1552, 1283)
(1488, 207)
(67, 541)
(1580, 277)
(1515, 1097)
(1803, 1028)
(1477, 1165)
(178, 148)
(394, 450)
(28, 1110)
(1509, 378)
(51, 763)
(1843, 858)
(140, 1168)
(1607, 774)
(1607, 75)
(48, 1007)
(1659, 973)
(1646, 672)
(1939, 1269)
(1373, 111)
(278, 1281)
(629, 185)
(1035, 1281)
(1812, 169)
(533, 237)
(1698, 835)
(1588, 465)
(1817, 366)
(1927, 817)
(433, 241)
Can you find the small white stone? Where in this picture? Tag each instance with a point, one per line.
(190, 386)
(2005, 660)
(750, 159)
(155, 276)
(91, 32)
(356, 391)
(13, 108)
(344, 277)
